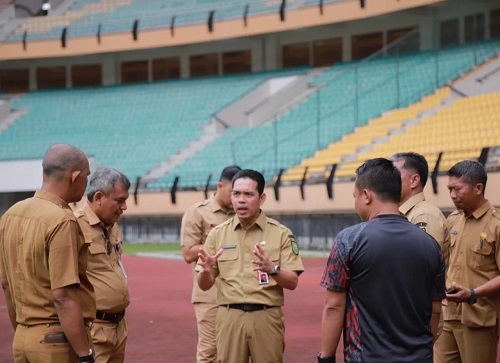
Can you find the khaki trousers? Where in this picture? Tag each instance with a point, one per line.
(459, 343)
(206, 351)
(29, 346)
(109, 341)
(257, 334)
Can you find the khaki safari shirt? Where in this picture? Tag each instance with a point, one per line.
(103, 270)
(474, 250)
(238, 282)
(42, 249)
(426, 216)
(197, 223)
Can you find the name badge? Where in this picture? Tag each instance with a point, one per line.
(263, 278)
(228, 247)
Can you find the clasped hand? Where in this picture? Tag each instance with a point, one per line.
(262, 263)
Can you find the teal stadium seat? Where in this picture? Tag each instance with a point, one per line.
(153, 14)
(385, 83)
(135, 127)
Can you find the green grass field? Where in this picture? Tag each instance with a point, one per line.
(133, 248)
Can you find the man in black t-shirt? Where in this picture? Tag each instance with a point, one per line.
(384, 279)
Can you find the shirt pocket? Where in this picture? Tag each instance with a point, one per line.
(97, 248)
(228, 263)
(274, 255)
(481, 255)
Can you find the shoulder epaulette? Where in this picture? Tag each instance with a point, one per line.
(495, 213)
(275, 222)
(79, 213)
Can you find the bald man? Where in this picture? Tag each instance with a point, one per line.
(43, 261)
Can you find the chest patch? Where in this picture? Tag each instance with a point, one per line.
(422, 226)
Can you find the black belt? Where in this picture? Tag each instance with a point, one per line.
(113, 318)
(248, 307)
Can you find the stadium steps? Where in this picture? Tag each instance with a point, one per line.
(453, 130)
(483, 80)
(193, 147)
(364, 137)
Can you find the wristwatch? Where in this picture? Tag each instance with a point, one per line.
(277, 270)
(473, 297)
(325, 359)
(89, 358)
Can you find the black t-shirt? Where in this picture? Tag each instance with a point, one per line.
(392, 272)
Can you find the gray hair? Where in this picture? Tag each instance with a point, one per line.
(104, 180)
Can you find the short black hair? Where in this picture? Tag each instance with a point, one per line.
(382, 177)
(254, 175)
(229, 172)
(416, 163)
(473, 172)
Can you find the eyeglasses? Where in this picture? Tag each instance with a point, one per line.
(105, 235)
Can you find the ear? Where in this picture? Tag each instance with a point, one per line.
(219, 185)
(98, 196)
(414, 181)
(479, 188)
(74, 175)
(262, 198)
(367, 196)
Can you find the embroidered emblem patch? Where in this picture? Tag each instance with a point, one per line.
(422, 226)
(295, 247)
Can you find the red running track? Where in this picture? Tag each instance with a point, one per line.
(161, 321)
(162, 326)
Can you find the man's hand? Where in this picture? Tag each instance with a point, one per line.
(263, 263)
(462, 294)
(208, 262)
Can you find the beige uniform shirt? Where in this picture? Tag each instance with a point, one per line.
(197, 223)
(42, 249)
(238, 283)
(474, 250)
(104, 271)
(426, 216)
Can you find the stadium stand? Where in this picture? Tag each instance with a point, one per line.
(363, 136)
(354, 93)
(115, 16)
(112, 123)
(171, 114)
(452, 130)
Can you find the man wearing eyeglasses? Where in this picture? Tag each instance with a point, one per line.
(107, 195)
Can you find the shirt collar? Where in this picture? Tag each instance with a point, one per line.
(215, 206)
(260, 222)
(41, 194)
(478, 213)
(92, 217)
(411, 202)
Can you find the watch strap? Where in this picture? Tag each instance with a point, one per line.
(325, 359)
(473, 297)
(276, 271)
(89, 358)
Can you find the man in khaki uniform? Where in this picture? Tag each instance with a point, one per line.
(470, 331)
(43, 259)
(414, 174)
(197, 222)
(254, 258)
(107, 195)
